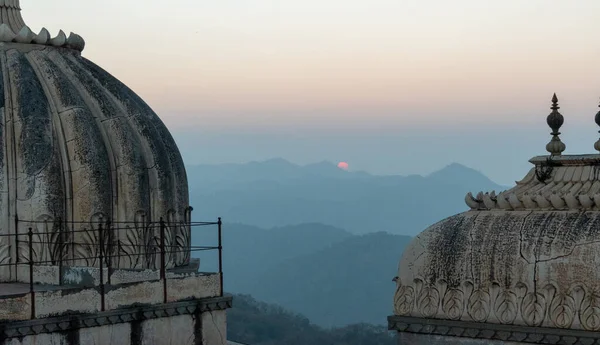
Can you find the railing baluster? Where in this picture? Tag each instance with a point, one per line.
(163, 268)
(16, 248)
(61, 237)
(31, 287)
(109, 250)
(101, 257)
(220, 223)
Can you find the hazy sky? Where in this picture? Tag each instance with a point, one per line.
(392, 86)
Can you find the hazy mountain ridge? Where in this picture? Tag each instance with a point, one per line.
(347, 282)
(313, 269)
(278, 193)
(248, 251)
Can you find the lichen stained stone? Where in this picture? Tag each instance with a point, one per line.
(81, 147)
(528, 256)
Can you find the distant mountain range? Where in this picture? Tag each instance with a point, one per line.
(347, 282)
(337, 266)
(249, 250)
(331, 276)
(278, 193)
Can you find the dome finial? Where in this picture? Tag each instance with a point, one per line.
(554, 102)
(555, 120)
(597, 119)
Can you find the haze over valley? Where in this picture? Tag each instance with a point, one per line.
(278, 193)
(311, 238)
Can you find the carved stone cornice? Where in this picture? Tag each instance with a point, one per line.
(566, 183)
(487, 331)
(77, 321)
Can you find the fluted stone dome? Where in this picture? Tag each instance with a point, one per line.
(528, 256)
(80, 146)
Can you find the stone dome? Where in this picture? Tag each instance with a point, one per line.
(527, 256)
(79, 146)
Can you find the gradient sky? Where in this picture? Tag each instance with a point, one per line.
(391, 86)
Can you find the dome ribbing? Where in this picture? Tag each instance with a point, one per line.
(79, 147)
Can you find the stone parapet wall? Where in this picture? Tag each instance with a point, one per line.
(89, 276)
(197, 322)
(89, 300)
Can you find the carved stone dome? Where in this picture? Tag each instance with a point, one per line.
(78, 145)
(527, 256)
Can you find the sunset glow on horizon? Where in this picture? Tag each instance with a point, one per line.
(343, 166)
(411, 62)
(382, 83)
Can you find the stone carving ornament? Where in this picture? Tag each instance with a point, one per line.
(577, 308)
(528, 256)
(81, 148)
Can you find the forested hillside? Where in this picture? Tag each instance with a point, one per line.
(257, 323)
(325, 273)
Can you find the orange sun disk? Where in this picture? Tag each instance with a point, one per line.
(343, 165)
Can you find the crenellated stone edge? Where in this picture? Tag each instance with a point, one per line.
(26, 36)
(475, 330)
(67, 323)
(564, 183)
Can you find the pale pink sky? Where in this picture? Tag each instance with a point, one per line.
(410, 61)
(344, 66)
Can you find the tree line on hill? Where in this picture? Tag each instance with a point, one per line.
(258, 323)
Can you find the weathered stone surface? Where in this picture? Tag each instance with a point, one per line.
(119, 334)
(143, 293)
(535, 268)
(80, 147)
(59, 301)
(533, 263)
(560, 183)
(193, 287)
(214, 327)
(437, 331)
(179, 323)
(426, 339)
(39, 339)
(172, 330)
(15, 308)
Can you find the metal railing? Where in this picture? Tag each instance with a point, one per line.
(110, 245)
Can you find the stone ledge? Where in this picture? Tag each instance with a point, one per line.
(66, 323)
(56, 300)
(474, 330)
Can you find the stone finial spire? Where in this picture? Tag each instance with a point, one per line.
(555, 120)
(10, 14)
(597, 119)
